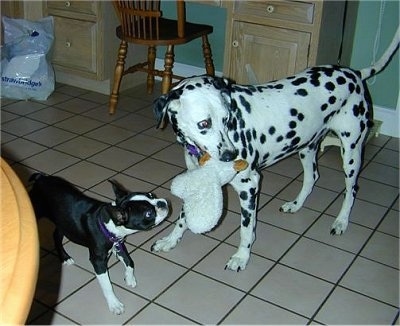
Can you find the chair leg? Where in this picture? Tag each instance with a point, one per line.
(209, 64)
(167, 74)
(118, 73)
(151, 60)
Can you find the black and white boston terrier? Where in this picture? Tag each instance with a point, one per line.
(101, 227)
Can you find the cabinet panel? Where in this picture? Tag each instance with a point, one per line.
(84, 7)
(75, 44)
(300, 12)
(263, 53)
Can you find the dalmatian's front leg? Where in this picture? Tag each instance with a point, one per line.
(170, 241)
(247, 187)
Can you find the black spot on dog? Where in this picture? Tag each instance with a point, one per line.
(245, 104)
(351, 88)
(292, 124)
(293, 112)
(300, 116)
(299, 81)
(341, 80)
(301, 92)
(263, 138)
(271, 130)
(324, 107)
(243, 195)
(290, 134)
(332, 100)
(279, 139)
(330, 86)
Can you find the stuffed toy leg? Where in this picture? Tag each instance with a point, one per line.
(201, 191)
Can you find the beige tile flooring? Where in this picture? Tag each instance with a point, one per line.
(298, 273)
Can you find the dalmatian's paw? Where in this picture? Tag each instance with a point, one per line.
(339, 226)
(290, 207)
(165, 244)
(238, 261)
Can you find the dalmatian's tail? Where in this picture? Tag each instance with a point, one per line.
(384, 60)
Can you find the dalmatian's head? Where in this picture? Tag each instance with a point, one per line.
(198, 109)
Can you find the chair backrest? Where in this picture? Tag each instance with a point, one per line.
(140, 18)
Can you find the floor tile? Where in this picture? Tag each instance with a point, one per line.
(155, 315)
(19, 149)
(153, 171)
(50, 161)
(79, 124)
(298, 292)
(363, 212)
(297, 222)
(376, 192)
(318, 259)
(86, 174)
(22, 126)
(390, 224)
(96, 308)
(382, 173)
(153, 274)
(56, 281)
(351, 240)
(50, 115)
(347, 307)
(81, 147)
(211, 297)
(144, 144)
(374, 280)
(116, 158)
(383, 248)
(76, 105)
(253, 311)
(214, 266)
(271, 242)
(134, 122)
(21, 107)
(110, 134)
(50, 136)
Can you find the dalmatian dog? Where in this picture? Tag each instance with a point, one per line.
(266, 123)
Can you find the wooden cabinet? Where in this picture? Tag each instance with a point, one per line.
(78, 43)
(85, 45)
(268, 40)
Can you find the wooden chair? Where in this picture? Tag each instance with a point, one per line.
(142, 23)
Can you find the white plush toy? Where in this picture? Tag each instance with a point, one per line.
(201, 191)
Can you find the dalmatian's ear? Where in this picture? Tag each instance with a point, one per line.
(224, 86)
(160, 106)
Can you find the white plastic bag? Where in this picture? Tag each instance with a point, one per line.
(26, 72)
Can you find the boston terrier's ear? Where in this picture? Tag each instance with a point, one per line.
(119, 191)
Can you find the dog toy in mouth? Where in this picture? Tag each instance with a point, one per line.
(201, 191)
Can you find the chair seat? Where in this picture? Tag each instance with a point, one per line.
(169, 33)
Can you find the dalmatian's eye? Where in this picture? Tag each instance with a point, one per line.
(204, 124)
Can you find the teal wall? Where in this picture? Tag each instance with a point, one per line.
(191, 53)
(385, 90)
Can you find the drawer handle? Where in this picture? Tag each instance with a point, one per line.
(270, 9)
(235, 44)
(67, 4)
(67, 44)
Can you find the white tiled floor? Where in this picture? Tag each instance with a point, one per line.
(298, 273)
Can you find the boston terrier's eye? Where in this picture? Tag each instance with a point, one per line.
(148, 214)
(204, 124)
(150, 195)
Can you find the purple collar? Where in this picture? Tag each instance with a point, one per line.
(193, 150)
(118, 242)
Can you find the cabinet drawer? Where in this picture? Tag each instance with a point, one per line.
(75, 44)
(83, 7)
(300, 12)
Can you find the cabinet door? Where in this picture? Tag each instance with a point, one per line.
(264, 53)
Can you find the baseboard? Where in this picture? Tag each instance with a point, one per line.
(390, 120)
(184, 70)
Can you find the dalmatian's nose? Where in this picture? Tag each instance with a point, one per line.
(228, 156)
